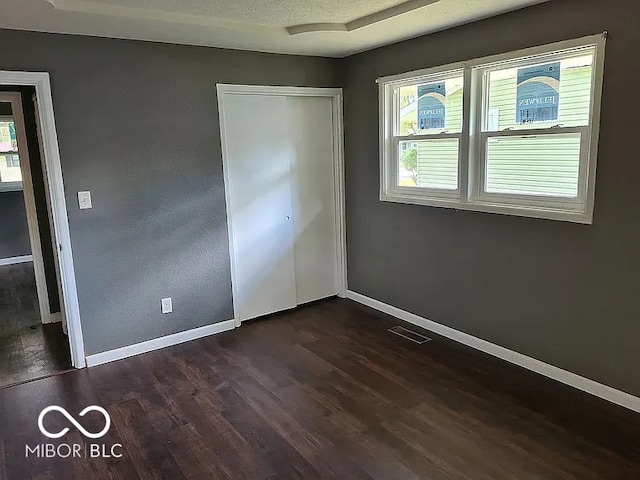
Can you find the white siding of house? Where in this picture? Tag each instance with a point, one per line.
(534, 165)
(438, 159)
(538, 165)
(438, 164)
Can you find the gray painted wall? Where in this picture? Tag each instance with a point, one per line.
(563, 293)
(138, 127)
(14, 232)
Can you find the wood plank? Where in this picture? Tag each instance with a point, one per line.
(323, 391)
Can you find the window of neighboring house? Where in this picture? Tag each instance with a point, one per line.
(10, 173)
(514, 133)
(12, 161)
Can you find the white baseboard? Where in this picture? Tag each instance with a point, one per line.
(158, 343)
(581, 383)
(51, 318)
(15, 260)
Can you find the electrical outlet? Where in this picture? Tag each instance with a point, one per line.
(167, 305)
(84, 200)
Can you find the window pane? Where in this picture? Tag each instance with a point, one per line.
(10, 168)
(534, 165)
(8, 141)
(430, 107)
(9, 159)
(540, 96)
(429, 164)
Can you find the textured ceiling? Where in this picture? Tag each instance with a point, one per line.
(279, 13)
(344, 27)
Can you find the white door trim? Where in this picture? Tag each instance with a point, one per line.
(335, 94)
(59, 316)
(41, 82)
(15, 99)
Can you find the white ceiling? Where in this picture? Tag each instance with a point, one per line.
(335, 28)
(279, 13)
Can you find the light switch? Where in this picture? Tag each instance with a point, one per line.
(84, 200)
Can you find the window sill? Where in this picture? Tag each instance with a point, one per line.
(10, 187)
(564, 215)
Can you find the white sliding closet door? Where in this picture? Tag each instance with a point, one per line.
(313, 198)
(260, 152)
(280, 182)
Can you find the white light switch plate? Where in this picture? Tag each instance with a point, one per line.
(167, 305)
(84, 200)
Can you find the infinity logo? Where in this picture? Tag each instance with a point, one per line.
(64, 431)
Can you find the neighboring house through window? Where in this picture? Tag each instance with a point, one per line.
(515, 133)
(10, 173)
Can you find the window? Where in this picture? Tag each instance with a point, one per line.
(514, 134)
(12, 161)
(10, 173)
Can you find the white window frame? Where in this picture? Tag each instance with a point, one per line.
(391, 144)
(471, 194)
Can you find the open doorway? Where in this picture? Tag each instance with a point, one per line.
(33, 334)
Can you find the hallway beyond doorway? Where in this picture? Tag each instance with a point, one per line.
(28, 349)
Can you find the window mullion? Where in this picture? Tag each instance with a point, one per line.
(464, 156)
(475, 165)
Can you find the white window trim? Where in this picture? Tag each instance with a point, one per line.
(470, 194)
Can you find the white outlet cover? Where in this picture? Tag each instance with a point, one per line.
(84, 200)
(167, 305)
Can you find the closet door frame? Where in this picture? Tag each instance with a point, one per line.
(335, 94)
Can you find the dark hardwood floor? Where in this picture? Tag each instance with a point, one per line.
(32, 353)
(18, 298)
(317, 393)
(28, 349)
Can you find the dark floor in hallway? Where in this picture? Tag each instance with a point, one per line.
(321, 392)
(33, 353)
(18, 298)
(28, 349)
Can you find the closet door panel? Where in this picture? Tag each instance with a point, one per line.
(313, 198)
(259, 157)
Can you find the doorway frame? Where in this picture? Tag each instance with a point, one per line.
(335, 94)
(42, 83)
(15, 99)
